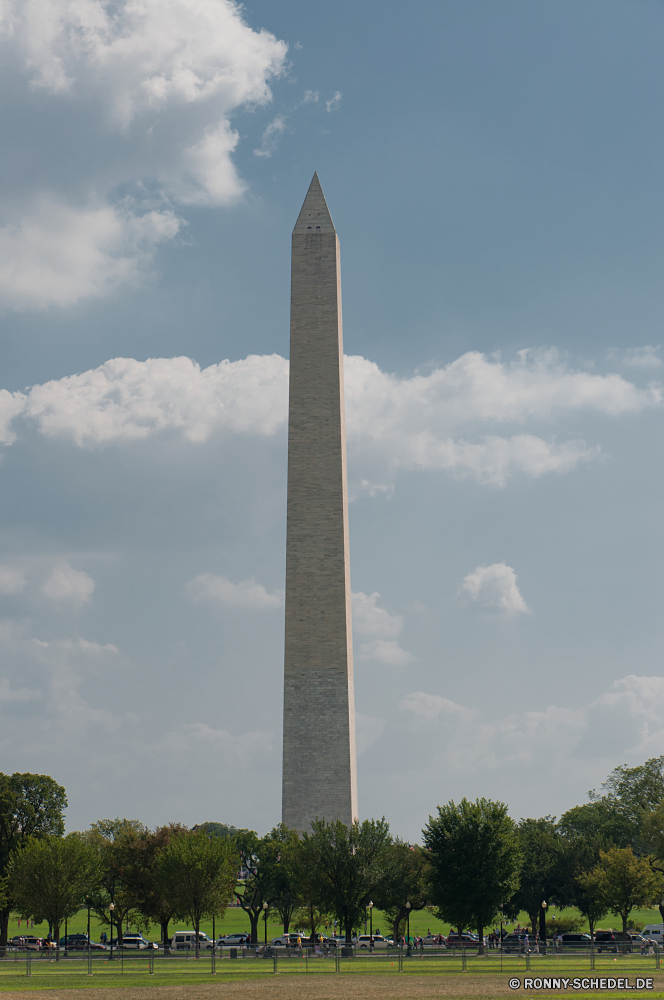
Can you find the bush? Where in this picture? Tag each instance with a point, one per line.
(563, 925)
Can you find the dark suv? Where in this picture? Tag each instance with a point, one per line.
(576, 940)
(606, 941)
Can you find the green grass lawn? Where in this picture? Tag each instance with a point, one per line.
(135, 970)
(236, 920)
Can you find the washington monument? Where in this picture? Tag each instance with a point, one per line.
(319, 769)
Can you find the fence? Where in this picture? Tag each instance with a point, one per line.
(71, 968)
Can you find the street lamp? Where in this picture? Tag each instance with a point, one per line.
(111, 907)
(543, 924)
(265, 920)
(370, 926)
(501, 936)
(408, 927)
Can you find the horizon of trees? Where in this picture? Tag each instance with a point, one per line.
(606, 855)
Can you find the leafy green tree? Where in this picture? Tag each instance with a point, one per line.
(652, 840)
(217, 829)
(51, 878)
(344, 867)
(616, 814)
(622, 881)
(601, 821)
(475, 859)
(135, 858)
(284, 857)
(406, 882)
(31, 805)
(541, 849)
(269, 873)
(639, 789)
(579, 855)
(110, 838)
(310, 916)
(197, 875)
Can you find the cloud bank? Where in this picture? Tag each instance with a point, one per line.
(154, 86)
(447, 420)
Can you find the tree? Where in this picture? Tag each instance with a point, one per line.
(579, 855)
(602, 821)
(591, 898)
(616, 814)
(475, 860)
(343, 867)
(197, 875)
(621, 881)
(270, 872)
(541, 848)
(31, 805)
(110, 839)
(51, 878)
(406, 882)
(638, 789)
(135, 861)
(284, 857)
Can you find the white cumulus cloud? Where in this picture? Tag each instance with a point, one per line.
(127, 400)
(369, 619)
(246, 594)
(494, 587)
(61, 254)
(69, 586)
(446, 420)
(154, 84)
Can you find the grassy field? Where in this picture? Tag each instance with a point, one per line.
(236, 920)
(481, 975)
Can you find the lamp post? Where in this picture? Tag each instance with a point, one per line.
(501, 936)
(265, 921)
(370, 926)
(111, 907)
(407, 928)
(543, 924)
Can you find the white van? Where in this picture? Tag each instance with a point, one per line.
(653, 932)
(183, 940)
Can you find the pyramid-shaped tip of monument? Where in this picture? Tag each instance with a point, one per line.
(314, 215)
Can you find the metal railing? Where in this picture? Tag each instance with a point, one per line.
(344, 960)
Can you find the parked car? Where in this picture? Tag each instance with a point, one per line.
(183, 940)
(33, 943)
(74, 942)
(290, 940)
(653, 932)
(136, 941)
(434, 941)
(576, 940)
(514, 943)
(606, 941)
(379, 942)
(463, 940)
(234, 940)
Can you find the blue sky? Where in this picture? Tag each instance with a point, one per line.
(494, 173)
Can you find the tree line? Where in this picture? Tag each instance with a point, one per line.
(475, 863)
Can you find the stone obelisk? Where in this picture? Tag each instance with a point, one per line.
(319, 768)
